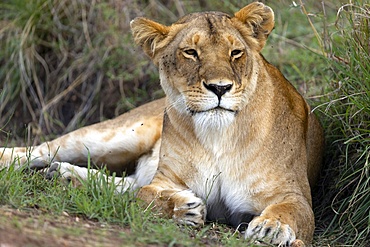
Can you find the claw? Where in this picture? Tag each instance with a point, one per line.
(53, 171)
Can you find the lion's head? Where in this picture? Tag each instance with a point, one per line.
(207, 60)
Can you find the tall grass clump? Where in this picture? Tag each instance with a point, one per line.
(57, 63)
(347, 110)
(65, 64)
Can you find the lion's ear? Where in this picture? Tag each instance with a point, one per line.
(259, 19)
(148, 34)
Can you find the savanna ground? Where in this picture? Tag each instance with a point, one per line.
(65, 64)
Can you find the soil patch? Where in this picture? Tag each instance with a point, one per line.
(33, 228)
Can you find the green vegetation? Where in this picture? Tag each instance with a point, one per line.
(59, 60)
(99, 203)
(347, 110)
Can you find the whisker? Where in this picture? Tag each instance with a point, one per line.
(173, 104)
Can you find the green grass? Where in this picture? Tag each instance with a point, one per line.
(348, 110)
(96, 200)
(58, 63)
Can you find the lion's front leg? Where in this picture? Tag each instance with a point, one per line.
(282, 223)
(182, 205)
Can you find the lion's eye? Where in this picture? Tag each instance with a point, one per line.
(236, 53)
(191, 53)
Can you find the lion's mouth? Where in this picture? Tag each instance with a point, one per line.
(215, 110)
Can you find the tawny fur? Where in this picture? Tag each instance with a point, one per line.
(236, 141)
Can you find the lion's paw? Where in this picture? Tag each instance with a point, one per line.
(66, 171)
(189, 209)
(271, 231)
(38, 163)
(53, 171)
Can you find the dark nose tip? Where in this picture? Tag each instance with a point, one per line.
(219, 90)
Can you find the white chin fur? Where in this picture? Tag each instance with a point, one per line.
(210, 128)
(213, 120)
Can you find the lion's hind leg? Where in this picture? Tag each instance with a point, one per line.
(146, 168)
(115, 143)
(19, 156)
(78, 175)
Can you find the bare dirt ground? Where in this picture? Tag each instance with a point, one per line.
(32, 228)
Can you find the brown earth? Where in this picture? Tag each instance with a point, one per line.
(32, 228)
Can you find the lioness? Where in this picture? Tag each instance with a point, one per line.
(232, 142)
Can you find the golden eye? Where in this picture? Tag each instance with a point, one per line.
(236, 53)
(191, 52)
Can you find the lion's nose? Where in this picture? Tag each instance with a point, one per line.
(218, 89)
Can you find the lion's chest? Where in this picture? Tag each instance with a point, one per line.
(218, 165)
(222, 177)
